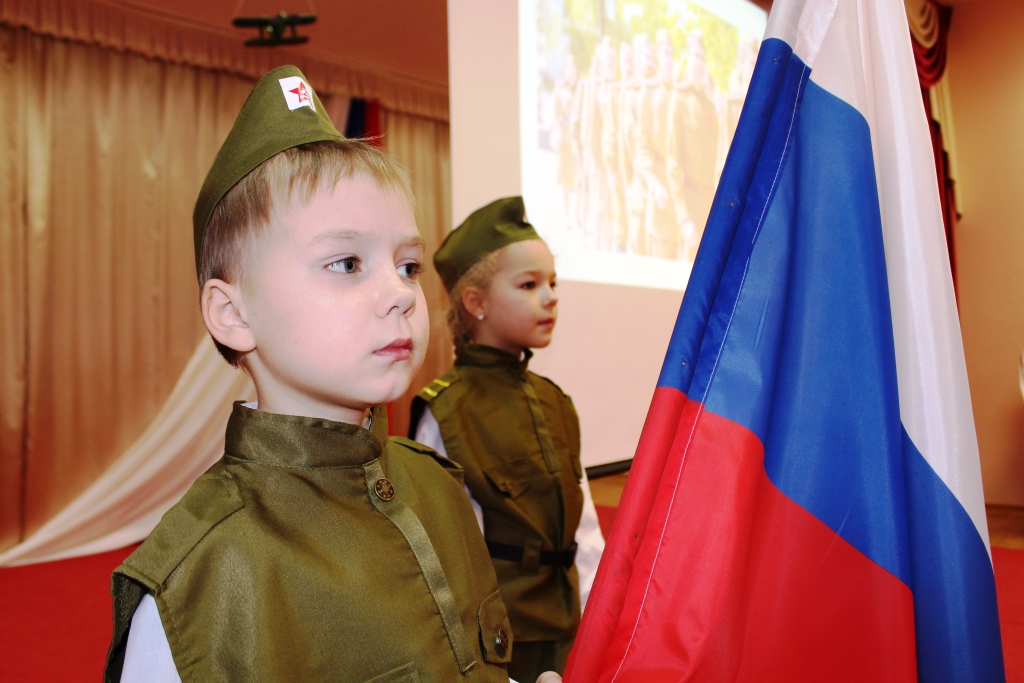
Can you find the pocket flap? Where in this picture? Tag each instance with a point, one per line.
(511, 478)
(495, 630)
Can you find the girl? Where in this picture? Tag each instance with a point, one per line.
(515, 433)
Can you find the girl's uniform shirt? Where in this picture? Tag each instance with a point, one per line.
(516, 434)
(589, 539)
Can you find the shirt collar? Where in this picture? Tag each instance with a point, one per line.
(482, 356)
(295, 441)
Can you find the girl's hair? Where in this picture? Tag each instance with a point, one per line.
(460, 321)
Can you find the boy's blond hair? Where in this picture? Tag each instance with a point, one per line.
(240, 218)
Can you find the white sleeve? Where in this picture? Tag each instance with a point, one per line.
(428, 433)
(147, 657)
(590, 542)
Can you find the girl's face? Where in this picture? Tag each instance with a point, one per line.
(519, 304)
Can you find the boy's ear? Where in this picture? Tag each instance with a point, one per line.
(224, 315)
(473, 302)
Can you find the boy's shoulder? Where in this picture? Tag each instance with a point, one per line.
(404, 446)
(211, 499)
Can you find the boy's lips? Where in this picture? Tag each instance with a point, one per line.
(547, 322)
(399, 349)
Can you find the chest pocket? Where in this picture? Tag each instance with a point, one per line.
(512, 478)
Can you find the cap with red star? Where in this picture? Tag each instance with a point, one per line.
(281, 112)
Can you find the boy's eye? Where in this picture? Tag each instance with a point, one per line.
(528, 285)
(346, 265)
(410, 270)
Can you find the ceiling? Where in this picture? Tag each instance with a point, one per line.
(408, 37)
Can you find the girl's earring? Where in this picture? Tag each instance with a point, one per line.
(479, 316)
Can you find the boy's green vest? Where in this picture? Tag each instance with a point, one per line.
(319, 551)
(517, 437)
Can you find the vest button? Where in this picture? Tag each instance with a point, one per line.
(501, 641)
(384, 490)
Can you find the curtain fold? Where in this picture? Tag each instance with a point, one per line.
(123, 504)
(13, 304)
(929, 29)
(422, 146)
(929, 33)
(942, 112)
(173, 40)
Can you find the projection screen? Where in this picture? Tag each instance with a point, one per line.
(613, 120)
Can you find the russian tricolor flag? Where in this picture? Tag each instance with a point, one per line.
(806, 500)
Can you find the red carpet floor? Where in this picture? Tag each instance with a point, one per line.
(55, 618)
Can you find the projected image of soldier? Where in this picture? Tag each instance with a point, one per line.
(692, 147)
(621, 162)
(662, 230)
(566, 144)
(645, 68)
(607, 163)
(596, 96)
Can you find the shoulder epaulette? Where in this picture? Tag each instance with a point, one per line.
(211, 499)
(434, 389)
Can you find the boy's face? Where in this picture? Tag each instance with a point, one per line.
(520, 303)
(334, 304)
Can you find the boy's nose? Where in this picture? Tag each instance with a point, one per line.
(397, 295)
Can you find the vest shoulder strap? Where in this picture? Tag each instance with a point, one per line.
(211, 499)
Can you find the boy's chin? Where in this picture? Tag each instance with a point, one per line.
(390, 391)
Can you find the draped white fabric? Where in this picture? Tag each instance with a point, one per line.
(123, 505)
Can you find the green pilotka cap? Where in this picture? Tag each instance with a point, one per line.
(487, 229)
(281, 112)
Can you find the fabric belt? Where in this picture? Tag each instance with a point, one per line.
(550, 558)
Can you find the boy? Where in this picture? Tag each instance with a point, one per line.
(316, 549)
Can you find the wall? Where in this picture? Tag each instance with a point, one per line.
(986, 72)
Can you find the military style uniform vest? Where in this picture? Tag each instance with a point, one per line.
(320, 551)
(517, 437)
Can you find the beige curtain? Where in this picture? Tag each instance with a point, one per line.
(422, 147)
(131, 27)
(103, 156)
(102, 152)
